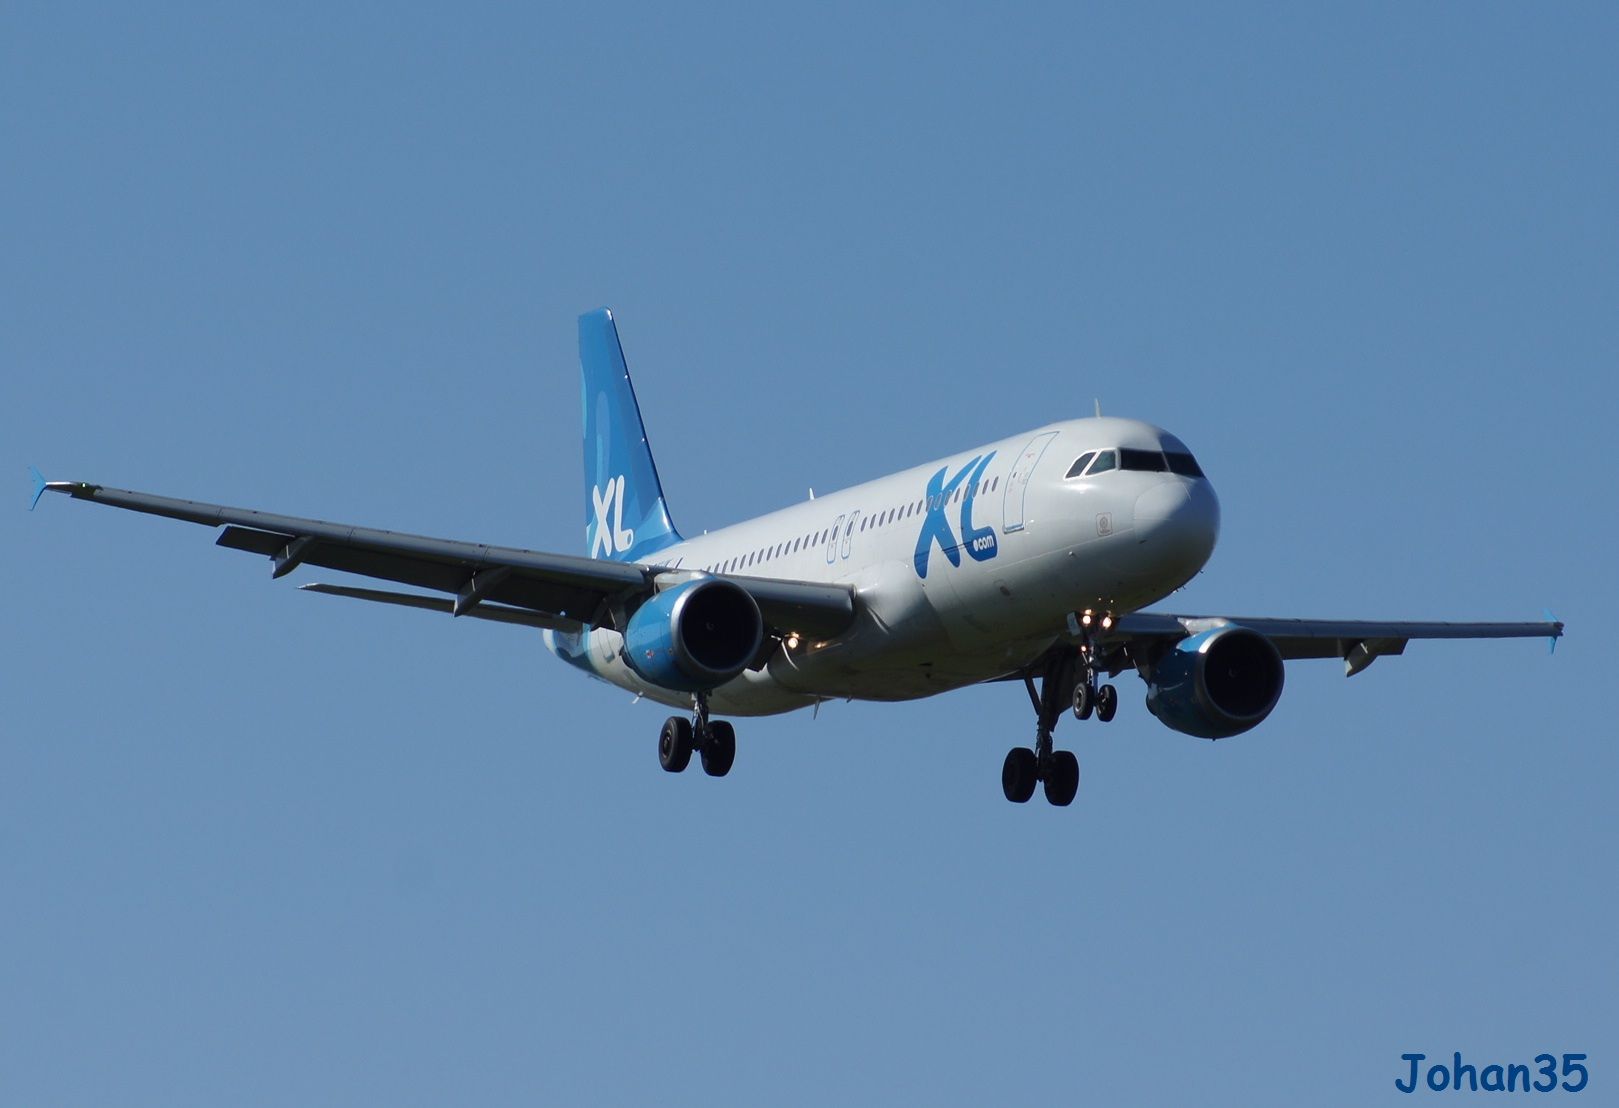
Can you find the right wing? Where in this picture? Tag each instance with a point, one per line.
(1357, 642)
(518, 586)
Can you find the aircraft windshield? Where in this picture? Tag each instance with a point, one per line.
(1142, 461)
(1183, 464)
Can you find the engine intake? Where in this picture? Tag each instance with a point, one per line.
(694, 637)
(1216, 683)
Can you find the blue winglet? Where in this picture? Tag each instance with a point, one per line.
(39, 487)
(1551, 643)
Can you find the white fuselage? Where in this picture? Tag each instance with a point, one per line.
(965, 569)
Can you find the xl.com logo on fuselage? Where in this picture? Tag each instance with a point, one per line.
(978, 542)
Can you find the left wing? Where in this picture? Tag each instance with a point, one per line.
(1357, 642)
(541, 588)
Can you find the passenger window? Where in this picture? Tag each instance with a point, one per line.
(1079, 464)
(1105, 460)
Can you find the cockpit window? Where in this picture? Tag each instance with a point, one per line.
(1141, 461)
(1079, 466)
(1147, 461)
(1183, 464)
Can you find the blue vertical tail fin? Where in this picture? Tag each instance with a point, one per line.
(626, 518)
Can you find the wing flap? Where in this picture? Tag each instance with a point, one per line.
(517, 588)
(492, 612)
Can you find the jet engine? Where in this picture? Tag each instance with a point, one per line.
(1217, 683)
(694, 637)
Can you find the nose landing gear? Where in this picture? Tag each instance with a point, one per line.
(1090, 698)
(713, 740)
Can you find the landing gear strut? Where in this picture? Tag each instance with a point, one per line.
(1088, 696)
(1067, 678)
(1058, 770)
(713, 740)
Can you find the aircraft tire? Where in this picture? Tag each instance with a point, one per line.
(1107, 703)
(1084, 698)
(1018, 774)
(719, 748)
(674, 744)
(1062, 778)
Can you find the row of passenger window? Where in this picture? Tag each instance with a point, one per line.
(1143, 461)
(830, 534)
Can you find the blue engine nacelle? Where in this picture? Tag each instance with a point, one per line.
(694, 637)
(1216, 683)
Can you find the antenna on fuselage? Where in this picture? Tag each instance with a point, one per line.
(1098, 407)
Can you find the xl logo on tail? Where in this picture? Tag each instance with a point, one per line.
(979, 542)
(610, 538)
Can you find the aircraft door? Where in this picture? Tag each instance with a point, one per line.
(832, 540)
(1017, 481)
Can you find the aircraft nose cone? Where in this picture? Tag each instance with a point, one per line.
(1176, 523)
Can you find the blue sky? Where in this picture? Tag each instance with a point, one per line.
(263, 848)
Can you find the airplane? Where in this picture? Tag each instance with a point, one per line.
(1030, 559)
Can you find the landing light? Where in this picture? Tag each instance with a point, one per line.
(792, 642)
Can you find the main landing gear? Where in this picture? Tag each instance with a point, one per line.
(1067, 678)
(713, 740)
